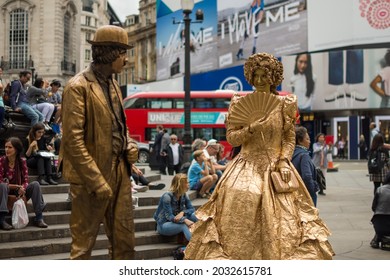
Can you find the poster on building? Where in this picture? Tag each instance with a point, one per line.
(339, 80)
(170, 38)
(335, 23)
(249, 26)
(231, 78)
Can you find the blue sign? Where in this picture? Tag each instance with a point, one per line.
(227, 79)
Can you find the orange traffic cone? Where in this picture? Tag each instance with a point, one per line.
(331, 166)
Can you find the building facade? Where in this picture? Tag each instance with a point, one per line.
(49, 37)
(142, 34)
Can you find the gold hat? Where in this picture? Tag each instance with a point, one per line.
(110, 35)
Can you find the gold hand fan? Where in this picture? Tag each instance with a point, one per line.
(252, 107)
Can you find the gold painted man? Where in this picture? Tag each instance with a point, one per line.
(96, 151)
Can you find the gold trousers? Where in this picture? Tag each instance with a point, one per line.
(116, 214)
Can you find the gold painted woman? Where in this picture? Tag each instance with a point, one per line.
(246, 218)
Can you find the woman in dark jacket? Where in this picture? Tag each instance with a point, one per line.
(381, 218)
(303, 163)
(382, 149)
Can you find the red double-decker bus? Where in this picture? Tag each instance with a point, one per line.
(146, 110)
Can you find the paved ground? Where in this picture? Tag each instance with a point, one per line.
(346, 209)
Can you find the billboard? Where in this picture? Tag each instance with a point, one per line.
(230, 32)
(249, 26)
(339, 80)
(170, 39)
(335, 23)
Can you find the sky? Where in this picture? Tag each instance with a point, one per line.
(124, 8)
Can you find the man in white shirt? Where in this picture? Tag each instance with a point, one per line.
(175, 155)
(211, 151)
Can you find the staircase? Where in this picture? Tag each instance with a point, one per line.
(53, 243)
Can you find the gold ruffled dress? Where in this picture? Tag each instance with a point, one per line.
(245, 219)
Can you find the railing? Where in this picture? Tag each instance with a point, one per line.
(16, 64)
(68, 66)
(87, 9)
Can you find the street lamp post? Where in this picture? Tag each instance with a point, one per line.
(32, 75)
(187, 7)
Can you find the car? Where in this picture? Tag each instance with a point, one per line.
(143, 152)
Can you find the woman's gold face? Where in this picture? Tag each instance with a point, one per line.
(260, 81)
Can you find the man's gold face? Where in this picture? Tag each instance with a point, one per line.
(120, 62)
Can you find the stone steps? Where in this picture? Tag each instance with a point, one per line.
(53, 243)
(61, 244)
(158, 251)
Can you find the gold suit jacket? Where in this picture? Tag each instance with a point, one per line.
(86, 147)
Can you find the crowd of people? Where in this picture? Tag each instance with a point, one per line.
(41, 104)
(245, 215)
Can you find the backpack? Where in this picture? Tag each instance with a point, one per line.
(320, 179)
(375, 162)
(7, 94)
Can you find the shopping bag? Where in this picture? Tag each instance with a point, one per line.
(19, 214)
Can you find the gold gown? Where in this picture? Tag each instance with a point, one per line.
(245, 219)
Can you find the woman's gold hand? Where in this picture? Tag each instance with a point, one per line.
(256, 125)
(285, 170)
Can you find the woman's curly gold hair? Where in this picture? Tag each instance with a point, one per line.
(272, 67)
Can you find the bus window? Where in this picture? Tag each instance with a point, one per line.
(221, 103)
(219, 134)
(203, 133)
(179, 132)
(140, 103)
(128, 103)
(150, 134)
(203, 103)
(178, 103)
(160, 104)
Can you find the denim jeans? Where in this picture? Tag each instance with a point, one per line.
(170, 228)
(354, 67)
(33, 192)
(46, 109)
(33, 114)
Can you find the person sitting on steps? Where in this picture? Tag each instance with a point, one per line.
(14, 181)
(175, 213)
(201, 174)
(35, 161)
(138, 177)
